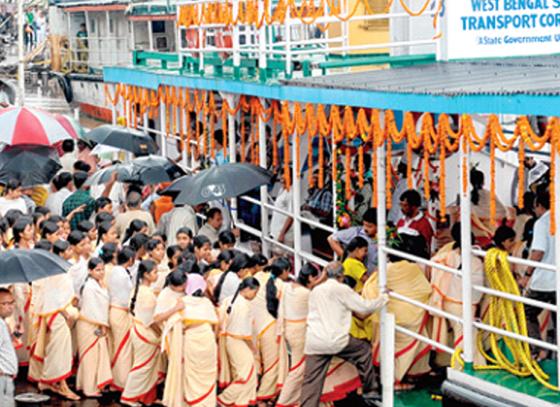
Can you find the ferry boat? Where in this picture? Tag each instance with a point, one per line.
(314, 90)
(89, 35)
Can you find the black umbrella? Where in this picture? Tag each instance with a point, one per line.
(31, 166)
(148, 170)
(25, 266)
(102, 176)
(154, 169)
(134, 141)
(220, 182)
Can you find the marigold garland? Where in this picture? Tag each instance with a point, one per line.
(492, 180)
(361, 166)
(341, 123)
(310, 177)
(321, 180)
(348, 172)
(388, 175)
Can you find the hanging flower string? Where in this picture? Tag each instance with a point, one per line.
(335, 125)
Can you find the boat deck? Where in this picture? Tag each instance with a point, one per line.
(505, 388)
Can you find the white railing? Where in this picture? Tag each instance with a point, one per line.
(99, 52)
(469, 323)
(293, 39)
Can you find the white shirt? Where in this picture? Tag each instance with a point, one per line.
(172, 221)
(543, 280)
(120, 286)
(283, 201)
(78, 271)
(209, 232)
(67, 161)
(7, 204)
(95, 303)
(229, 286)
(330, 314)
(8, 357)
(56, 199)
(117, 195)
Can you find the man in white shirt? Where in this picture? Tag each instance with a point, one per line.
(179, 217)
(69, 157)
(8, 357)
(331, 305)
(541, 282)
(64, 187)
(133, 211)
(214, 221)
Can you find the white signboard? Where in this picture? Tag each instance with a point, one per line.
(500, 28)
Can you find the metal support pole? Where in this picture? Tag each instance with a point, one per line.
(296, 199)
(556, 204)
(262, 45)
(150, 35)
(288, 39)
(264, 188)
(387, 358)
(132, 37)
(442, 49)
(387, 364)
(232, 150)
(114, 108)
(201, 47)
(21, 63)
(235, 41)
(162, 119)
(114, 51)
(466, 254)
(90, 41)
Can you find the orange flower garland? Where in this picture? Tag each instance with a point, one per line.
(339, 123)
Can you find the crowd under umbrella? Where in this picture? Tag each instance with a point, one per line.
(31, 165)
(217, 183)
(147, 170)
(31, 126)
(134, 141)
(28, 265)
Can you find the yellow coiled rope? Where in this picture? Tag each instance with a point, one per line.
(508, 315)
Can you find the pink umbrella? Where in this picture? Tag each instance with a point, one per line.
(23, 125)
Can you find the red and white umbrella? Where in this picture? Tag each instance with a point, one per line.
(23, 125)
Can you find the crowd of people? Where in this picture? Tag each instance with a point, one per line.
(151, 288)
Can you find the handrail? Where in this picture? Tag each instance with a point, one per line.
(503, 332)
(517, 260)
(426, 307)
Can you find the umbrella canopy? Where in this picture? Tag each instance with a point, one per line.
(31, 166)
(23, 125)
(25, 266)
(134, 141)
(224, 181)
(102, 176)
(71, 125)
(148, 170)
(154, 169)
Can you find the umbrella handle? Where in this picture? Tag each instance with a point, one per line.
(231, 220)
